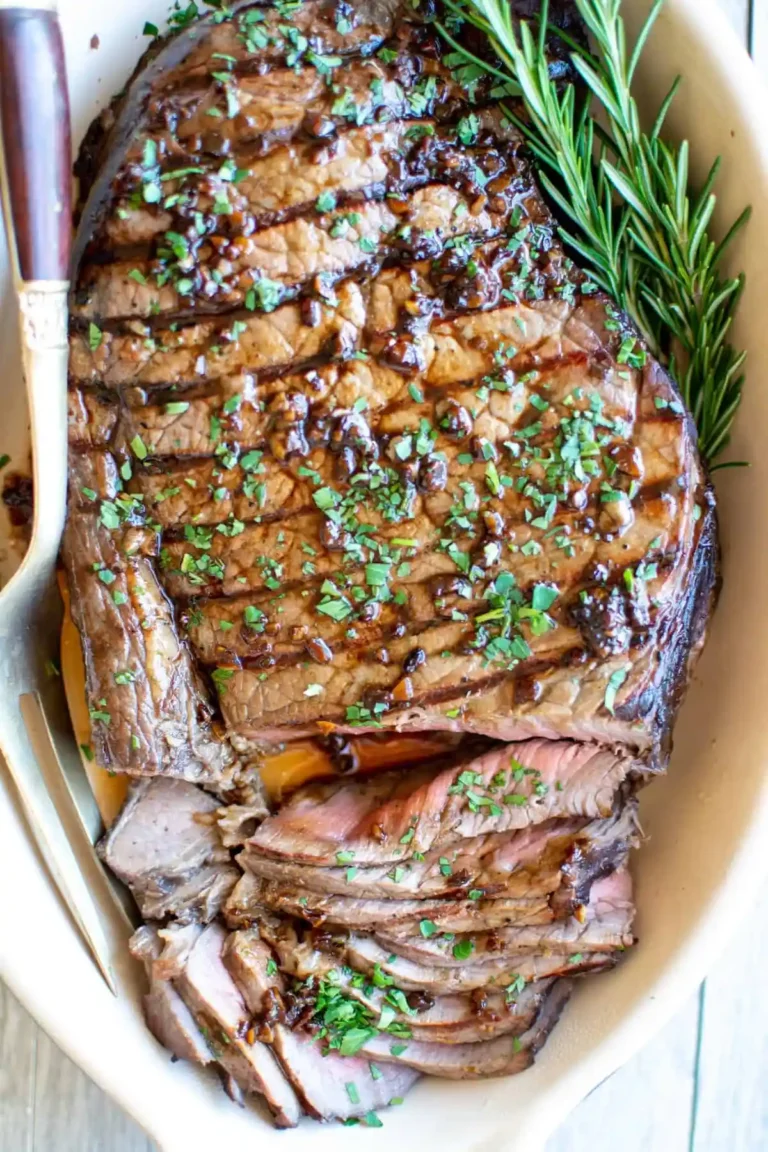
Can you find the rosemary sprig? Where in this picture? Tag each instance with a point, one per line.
(624, 194)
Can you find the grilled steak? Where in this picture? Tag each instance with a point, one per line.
(352, 439)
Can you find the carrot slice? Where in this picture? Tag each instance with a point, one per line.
(391, 751)
(307, 760)
(284, 771)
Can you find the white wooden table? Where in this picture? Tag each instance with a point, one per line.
(700, 1086)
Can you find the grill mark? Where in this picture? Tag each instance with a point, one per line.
(258, 595)
(363, 272)
(526, 672)
(125, 327)
(251, 149)
(446, 106)
(175, 533)
(167, 391)
(211, 390)
(362, 645)
(410, 175)
(354, 198)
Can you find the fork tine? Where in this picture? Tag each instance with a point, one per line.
(63, 870)
(78, 824)
(55, 849)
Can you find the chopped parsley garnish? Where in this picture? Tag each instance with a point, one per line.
(220, 677)
(615, 681)
(139, 448)
(342, 1021)
(265, 295)
(325, 202)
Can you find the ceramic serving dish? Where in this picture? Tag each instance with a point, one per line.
(707, 821)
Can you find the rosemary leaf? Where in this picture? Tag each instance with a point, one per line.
(623, 193)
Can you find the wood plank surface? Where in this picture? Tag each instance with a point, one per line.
(758, 35)
(18, 1051)
(699, 1086)
(649, 1101)
(732, 1112)
(71, 1114)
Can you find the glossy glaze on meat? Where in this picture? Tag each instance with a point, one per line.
(356, 448)
(352, 440)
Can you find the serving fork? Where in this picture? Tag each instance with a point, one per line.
(35, 742)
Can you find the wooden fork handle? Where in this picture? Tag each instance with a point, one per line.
(34, 118)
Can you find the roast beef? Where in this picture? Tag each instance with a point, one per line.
(352, 439)
(209, 992)
(165, 847)
(459, 1018)
(524, 878)
(329, 1085)
(502, 1056)
(527, 863)
(451, 915)
(599, 926)
(401, 814)
(424, 975)
(248, 958)
(168, 1017)
(356, 448)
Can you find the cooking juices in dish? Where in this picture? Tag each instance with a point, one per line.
(373, 495)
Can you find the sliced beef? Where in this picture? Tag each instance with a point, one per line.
(248, 958)
(450, 915)
(481, 1015)
(517, 878)
(531, 862)
(503, 1056)
(209, 992)
(164, 845)
(410, 975)
(457, 1018)
(329, 1086)
(314, 955)
(601, 925)
(391, 817)
(168, 1018)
